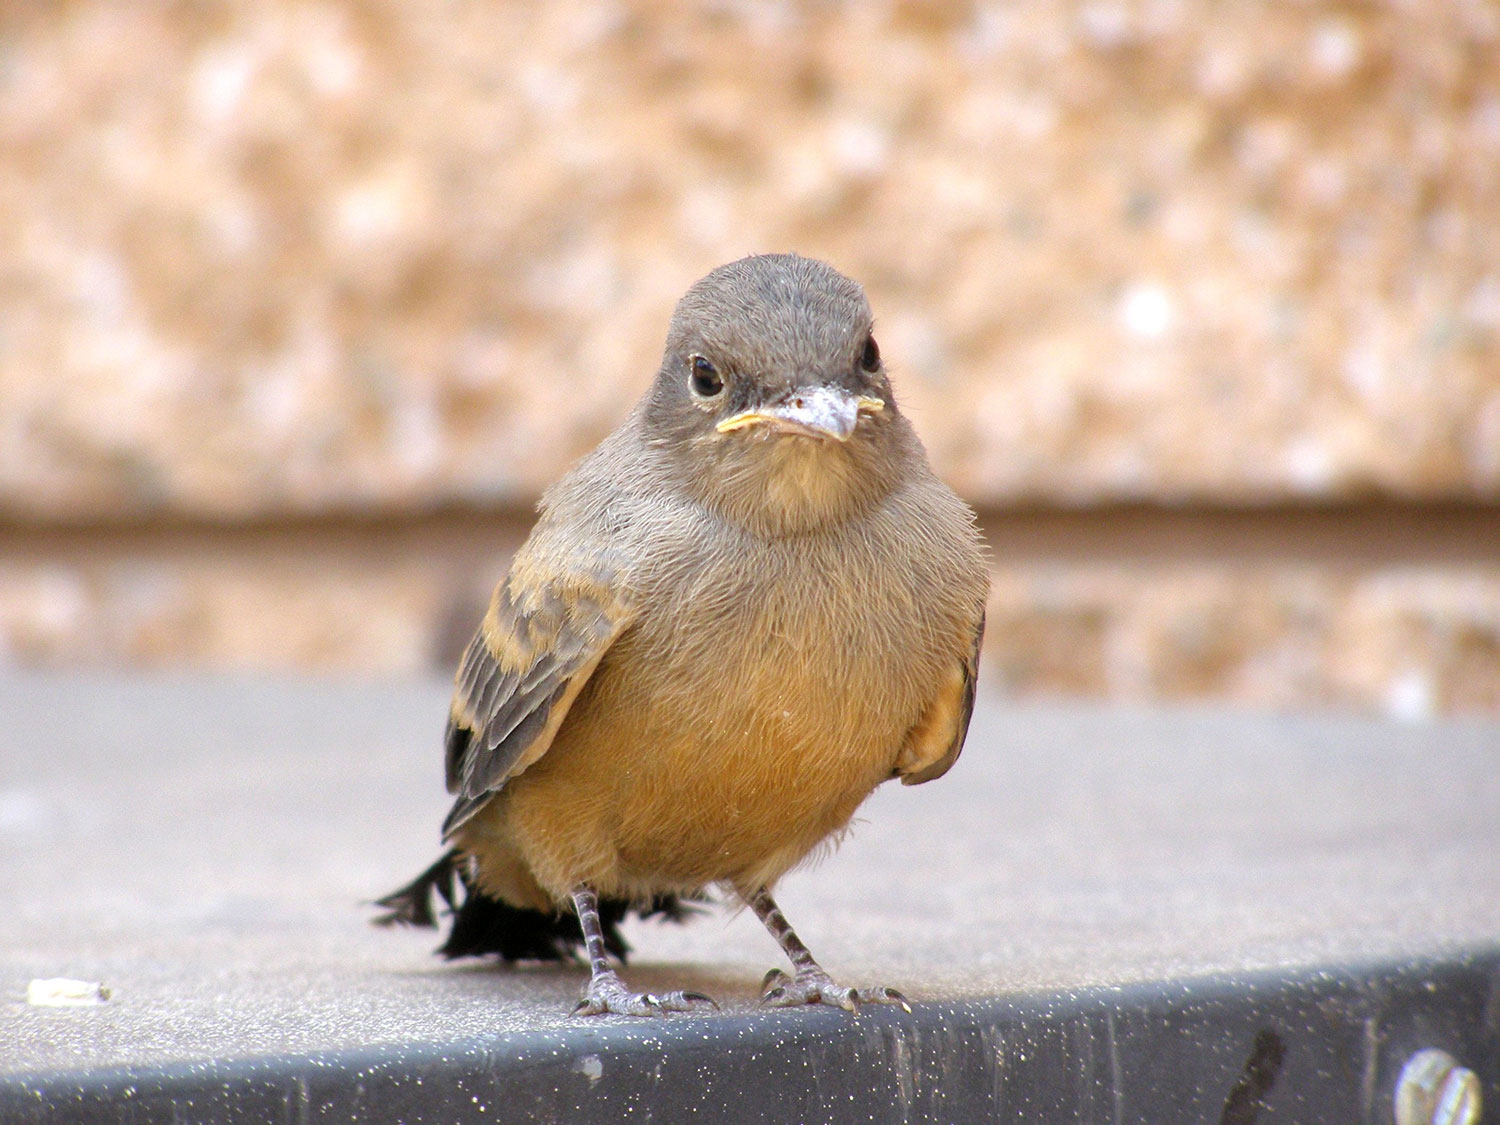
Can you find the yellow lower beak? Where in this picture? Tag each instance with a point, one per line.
(820, 412)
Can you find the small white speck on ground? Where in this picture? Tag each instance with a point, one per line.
(63, 992)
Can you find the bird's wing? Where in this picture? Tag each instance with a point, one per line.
(933, 745)
(545, 632)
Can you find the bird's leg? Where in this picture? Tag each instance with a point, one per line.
(606, 992)
(809, 984)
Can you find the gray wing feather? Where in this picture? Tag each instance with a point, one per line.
(965, 713)
(535, 649)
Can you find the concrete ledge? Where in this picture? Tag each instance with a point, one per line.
(1321, 1046)
(1101, 916)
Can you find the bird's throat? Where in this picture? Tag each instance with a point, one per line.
(792, 485)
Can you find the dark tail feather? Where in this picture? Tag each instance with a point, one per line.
(411, 905)
(482, 925)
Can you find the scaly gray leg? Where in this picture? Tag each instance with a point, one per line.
(810, 985)
(606, 992)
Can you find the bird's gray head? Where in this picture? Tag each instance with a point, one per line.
(772, 403)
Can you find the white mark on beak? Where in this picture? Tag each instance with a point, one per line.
(817, 412)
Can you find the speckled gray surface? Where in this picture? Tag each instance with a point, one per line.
(203, 847)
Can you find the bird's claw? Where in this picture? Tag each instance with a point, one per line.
(606, 994)
(817, 987)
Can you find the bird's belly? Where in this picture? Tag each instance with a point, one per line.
(742, 809)
(666, 783)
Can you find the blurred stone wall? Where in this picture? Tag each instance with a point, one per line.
(301, 304)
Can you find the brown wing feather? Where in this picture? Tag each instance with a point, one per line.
(538, 644)
(933, 745)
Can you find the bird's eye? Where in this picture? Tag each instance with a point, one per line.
(869, 359)
(705, 377)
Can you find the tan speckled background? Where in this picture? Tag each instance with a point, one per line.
(302, 303)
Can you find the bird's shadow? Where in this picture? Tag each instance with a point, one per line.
(730, 986)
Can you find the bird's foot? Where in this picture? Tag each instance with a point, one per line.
(606, 993)
(814, 986)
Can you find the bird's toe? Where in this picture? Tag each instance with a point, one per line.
(627, 1004)
(882, 995)
(816, 987)
(606, 994)
(773, 980)
(687, 1001)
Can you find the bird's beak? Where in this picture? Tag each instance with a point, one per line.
(818, 412)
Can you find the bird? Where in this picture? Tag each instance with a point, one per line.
(748, 607)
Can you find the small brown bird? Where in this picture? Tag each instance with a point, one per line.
(748, 607)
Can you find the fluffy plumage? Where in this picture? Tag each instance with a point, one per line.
(732, 620)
